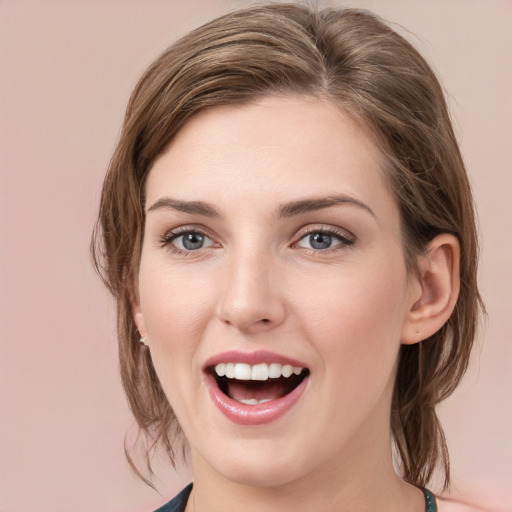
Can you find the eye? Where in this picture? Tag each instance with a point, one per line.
(187, 241)
(324, 239)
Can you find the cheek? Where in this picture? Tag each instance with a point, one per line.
(172, 302)
(174, 307)
(355, 330)
(355, 316)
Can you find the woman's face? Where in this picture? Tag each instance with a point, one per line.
(272, 246)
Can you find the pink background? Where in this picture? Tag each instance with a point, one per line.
(66, 70)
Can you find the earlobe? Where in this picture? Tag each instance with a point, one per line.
(138, 318)
(439, 281)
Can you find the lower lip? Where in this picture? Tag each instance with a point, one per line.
(259, 414)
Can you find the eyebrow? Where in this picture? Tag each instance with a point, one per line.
(195, 207)
(289, 209)
(318, 203)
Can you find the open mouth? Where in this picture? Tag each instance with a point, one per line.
(257, 384)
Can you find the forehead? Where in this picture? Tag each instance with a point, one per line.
(271, 149)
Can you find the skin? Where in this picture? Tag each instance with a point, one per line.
(258, 284)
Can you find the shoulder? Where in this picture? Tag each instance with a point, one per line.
(449, 505)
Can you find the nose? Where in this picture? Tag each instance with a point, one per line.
(251, 298)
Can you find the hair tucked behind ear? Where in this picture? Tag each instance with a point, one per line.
(365, 68)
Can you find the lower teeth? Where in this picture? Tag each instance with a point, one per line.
(253, 401)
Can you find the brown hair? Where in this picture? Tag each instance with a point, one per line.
(354, 59)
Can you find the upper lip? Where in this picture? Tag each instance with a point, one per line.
(252, 358)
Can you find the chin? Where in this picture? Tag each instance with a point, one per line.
(273, 475)
(264, 465)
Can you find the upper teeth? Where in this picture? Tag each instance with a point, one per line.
(263, 371)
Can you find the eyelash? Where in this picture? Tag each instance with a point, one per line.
(167, 240)
(344, 238)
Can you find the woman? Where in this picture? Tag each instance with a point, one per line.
(288, 230)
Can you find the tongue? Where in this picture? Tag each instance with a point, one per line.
(253, 390)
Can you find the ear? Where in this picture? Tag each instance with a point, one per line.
(138, 318)
(434, 289)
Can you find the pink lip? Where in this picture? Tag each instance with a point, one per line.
(260, 414)
(252, 358)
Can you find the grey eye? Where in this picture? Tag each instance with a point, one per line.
(192, 241)
(322, 240)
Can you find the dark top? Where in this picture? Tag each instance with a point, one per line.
(179, 503)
